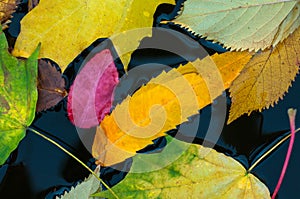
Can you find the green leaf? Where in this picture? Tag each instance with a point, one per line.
(18, 97)
(241, 24)
(84, 189)
(199, 172)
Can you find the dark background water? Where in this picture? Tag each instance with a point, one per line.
(38, 169)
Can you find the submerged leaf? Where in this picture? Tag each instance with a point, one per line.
(7, 7)
(65, 28)
(266, 78)
(18, 97)
(51, 86)
(240, 24)
(166, 101)
(91, 94)
(83, 191)
(199, 172)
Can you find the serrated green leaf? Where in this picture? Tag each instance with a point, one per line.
(199, 172)
(18, 97)
(84, 189)
(240, 24)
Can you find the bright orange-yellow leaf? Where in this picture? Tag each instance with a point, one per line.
(266, 78)
(166, 101)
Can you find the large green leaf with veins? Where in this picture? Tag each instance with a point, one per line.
(18, 97)
(196, 172)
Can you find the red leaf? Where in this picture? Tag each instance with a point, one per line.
(90, 96)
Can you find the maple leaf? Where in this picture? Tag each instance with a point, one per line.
(7, 7)
(266, 78)
(180, 93)
(18, 97)
(91, 94)
(199, 172)
(65, 28)
(240, 24)
(51, 86)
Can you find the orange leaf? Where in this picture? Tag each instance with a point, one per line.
(166, 101)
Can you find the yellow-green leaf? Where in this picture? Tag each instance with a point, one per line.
(65, 28)
(266, 78)
(241, 24)
(199, 172)
(166, 101)
(18, 97)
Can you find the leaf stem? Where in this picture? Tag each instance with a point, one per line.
(270, 151)
(74, 157)
(292, 115)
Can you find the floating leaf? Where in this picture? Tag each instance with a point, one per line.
(51, 86)
(18, 97)
(7, 7)
(266, 78)
(240, 24)
(83, 190)
(91, 94)
(67, 28)
(32, 4)
(199, 172)
(166, 101)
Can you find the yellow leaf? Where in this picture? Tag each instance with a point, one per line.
(7, 7)
(65, 28)
(266, 78)
(166, 101)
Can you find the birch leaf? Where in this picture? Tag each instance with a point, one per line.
(240, 24)
(18, 97)
(199, 172)
(83, 191)
(65, 28)
(166, 101)
(266, 78)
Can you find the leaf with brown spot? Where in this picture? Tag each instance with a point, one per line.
(266, 78)
(51, 86)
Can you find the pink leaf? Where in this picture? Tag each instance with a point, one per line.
(91, 94)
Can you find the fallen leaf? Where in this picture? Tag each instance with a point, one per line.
(199, 172)
(7, 7)
(166, 101)
(18, 97)
(90, 97)
(242, 24)
(32, 4)
(266, 78)
(83, 191)
(66, 28)
(51, 86)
